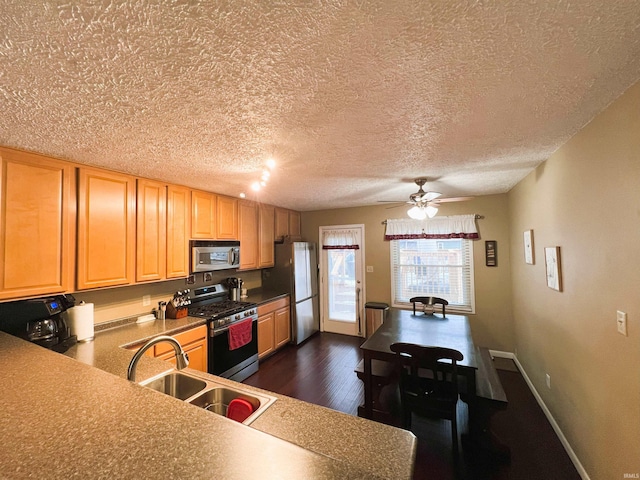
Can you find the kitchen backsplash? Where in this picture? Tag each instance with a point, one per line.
(122, 302)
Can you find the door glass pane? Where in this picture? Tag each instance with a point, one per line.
(342, 285)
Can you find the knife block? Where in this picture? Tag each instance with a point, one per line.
(175, 313)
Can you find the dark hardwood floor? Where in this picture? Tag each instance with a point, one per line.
(320, 371)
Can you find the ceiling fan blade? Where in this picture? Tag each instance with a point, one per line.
(454, 199)
(391, 201)
(429, 196)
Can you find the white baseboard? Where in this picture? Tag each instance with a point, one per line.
(565, 443)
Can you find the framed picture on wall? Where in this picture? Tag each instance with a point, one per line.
(528, 247)
(552, 263)
(491, 253)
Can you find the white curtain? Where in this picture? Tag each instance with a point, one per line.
(456, 226)
(340, 239)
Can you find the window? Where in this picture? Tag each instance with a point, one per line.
(437, 268)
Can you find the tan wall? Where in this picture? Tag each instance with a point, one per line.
(585, 199)
(492, 324)
(124, 302)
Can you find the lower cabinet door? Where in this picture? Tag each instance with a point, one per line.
(197, 353)
(283, 326)
(194, 343)
(266, 332)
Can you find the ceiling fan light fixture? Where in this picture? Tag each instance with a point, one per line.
(431, 211)
(417, 213)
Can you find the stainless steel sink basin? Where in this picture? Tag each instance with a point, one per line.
(177, 385)
(217, 401)
(207, 394)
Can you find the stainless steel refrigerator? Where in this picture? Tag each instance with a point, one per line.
(296, 271)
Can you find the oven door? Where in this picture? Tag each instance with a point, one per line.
(235, 364)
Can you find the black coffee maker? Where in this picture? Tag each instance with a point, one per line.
(40, 321)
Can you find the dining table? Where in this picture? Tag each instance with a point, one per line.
(452, 331)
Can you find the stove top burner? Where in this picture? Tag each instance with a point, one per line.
(212, 303)
(219, 309)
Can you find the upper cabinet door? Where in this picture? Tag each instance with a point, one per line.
(227, 218)
(287, 222)
(281, 223)
(266, 253)
(37, 225)
(178, 230)
(203, 213)
(294, 223)
(248, 235)
(106, 228)
(151, 232)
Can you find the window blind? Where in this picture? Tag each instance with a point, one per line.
(439, 268)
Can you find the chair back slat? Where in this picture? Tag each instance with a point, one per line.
(430, 301)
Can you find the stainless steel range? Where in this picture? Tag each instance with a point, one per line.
(232, 350)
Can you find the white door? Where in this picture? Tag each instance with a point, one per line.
(342, 280)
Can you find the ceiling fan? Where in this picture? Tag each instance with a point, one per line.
(425, 204)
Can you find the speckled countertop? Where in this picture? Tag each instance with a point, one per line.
(83, 418)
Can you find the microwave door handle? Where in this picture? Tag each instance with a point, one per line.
(232, 254)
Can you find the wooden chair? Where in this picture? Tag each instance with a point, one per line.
(429, 386)
(431, 301)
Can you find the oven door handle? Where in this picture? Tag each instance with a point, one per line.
(213, 332)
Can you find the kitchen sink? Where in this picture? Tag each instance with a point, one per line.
(207, 394)
(217, 401)
(177, 385)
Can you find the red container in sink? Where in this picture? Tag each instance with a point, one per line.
(239, 409)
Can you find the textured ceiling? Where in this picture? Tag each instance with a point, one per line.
(352, 99)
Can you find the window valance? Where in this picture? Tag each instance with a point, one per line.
(456, 226)
(340, 239)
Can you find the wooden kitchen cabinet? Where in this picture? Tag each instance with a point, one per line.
(227, 215)
(178, 230)
(214, 217)
(281, 223)
(37, 225)
(248, 219)
(194, 343)
(294, 224)
(283, 326)
(106, 228)
(274, 326)
(266, 237)
(203, 215)
(266, 332)
(151, 233)
(287, 223)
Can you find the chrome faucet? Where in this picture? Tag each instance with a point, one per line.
(182, 359)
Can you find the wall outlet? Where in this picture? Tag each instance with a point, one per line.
(208, 277)
(369, 268)
(548, 379)
(621, 318)
(191, 279)
(146, 300)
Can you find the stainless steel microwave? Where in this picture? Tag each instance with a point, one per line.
(208, 255)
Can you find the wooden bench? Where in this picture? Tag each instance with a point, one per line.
(489, 398)
(380, 370)
(488, 386)
(382, 373)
